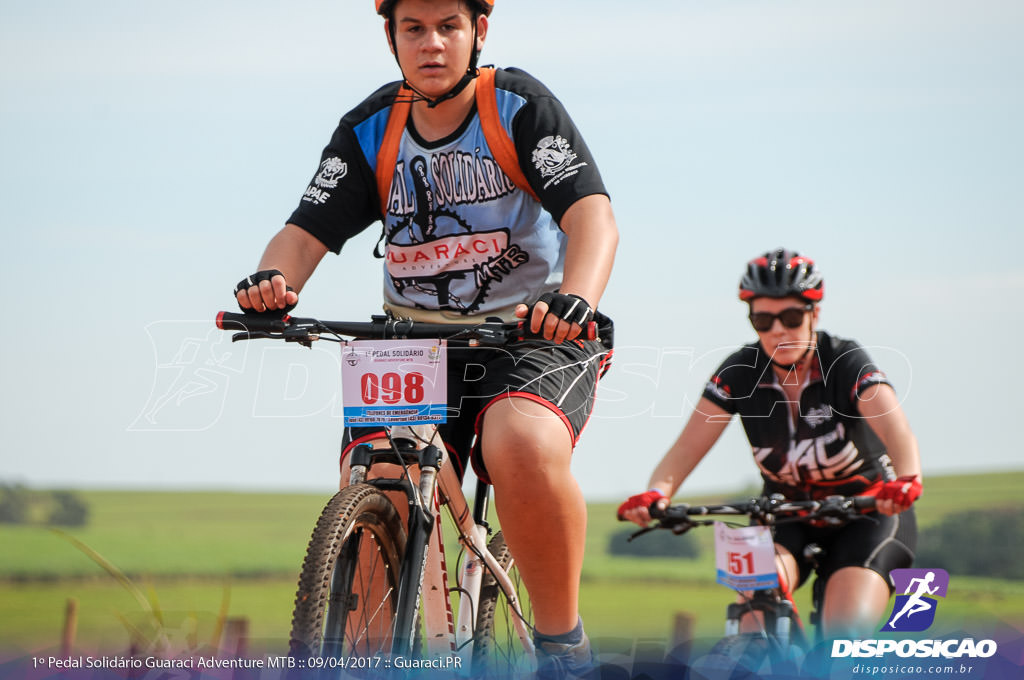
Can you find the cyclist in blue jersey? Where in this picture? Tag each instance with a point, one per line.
(822, 420)
(492, 206)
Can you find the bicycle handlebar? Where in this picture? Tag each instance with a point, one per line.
(768, 510)
(379, 327)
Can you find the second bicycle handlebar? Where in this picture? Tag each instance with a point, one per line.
(765, 510)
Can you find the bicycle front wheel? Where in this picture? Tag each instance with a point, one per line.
(348, 588)
(497, 650)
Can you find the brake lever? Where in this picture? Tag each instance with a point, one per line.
(252, 335)
(640, 532)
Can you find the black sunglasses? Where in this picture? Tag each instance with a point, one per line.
(791, 317)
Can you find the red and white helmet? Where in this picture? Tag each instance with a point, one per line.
(782, 273)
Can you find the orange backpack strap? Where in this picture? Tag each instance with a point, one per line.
(502, 146)
(387, 154)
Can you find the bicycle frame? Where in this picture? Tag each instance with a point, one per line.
(423, 572)
(776, 607)
(424, 568)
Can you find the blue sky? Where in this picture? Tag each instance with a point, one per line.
(150, 150)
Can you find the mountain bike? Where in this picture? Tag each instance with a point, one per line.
(780, 641)
(374, 593)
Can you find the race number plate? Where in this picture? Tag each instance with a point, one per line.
(394, 382)
(745, 557)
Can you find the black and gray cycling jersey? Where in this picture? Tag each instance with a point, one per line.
(827, 447)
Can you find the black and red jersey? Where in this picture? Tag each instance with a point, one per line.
(828, 448)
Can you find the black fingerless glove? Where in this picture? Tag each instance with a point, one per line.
(567, 307)
(254, 280)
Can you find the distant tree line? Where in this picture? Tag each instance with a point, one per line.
(976, 543)
(21, 505)
(654, 544)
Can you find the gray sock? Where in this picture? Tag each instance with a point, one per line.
(571, 638)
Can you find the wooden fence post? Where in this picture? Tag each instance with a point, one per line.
(682, 633)
(236, 634)
(67, 638)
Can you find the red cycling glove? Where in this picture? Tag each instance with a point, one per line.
(903, 491)
(641, 500)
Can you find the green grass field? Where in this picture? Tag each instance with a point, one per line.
(197, 533)
(186, 550)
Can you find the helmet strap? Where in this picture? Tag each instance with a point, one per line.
(471, 72)
(793, 366)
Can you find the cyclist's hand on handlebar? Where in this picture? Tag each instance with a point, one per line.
(557, 316)
(266, 291)
(637, 508)
(896, 496)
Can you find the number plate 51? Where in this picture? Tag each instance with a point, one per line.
(745, 557)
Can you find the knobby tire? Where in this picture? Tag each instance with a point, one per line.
(347, 592)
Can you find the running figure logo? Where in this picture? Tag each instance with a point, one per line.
(914, 610)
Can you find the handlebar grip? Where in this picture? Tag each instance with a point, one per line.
(864, 502)
(233, 321)
(672, 514)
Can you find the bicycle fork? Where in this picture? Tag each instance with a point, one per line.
(422, 521)
(777, 616)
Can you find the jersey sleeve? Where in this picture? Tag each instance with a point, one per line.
(855, 371)
(341, 199)
(552, 154)
(732, 380)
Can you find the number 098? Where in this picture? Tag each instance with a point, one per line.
(392, 388)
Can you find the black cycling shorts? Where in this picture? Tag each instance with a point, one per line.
(561, 377)
(876, 542)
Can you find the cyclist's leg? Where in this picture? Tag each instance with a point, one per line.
(858, 560)
(789, 569)
(537, 398)
(527, 451)
(856, 599)
(534, 401)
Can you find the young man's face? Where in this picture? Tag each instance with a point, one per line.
(434, 42)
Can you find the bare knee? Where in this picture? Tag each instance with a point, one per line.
(856, 599)
(523, 441)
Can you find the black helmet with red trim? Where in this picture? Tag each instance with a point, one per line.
(384, 6)
(782, 273)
